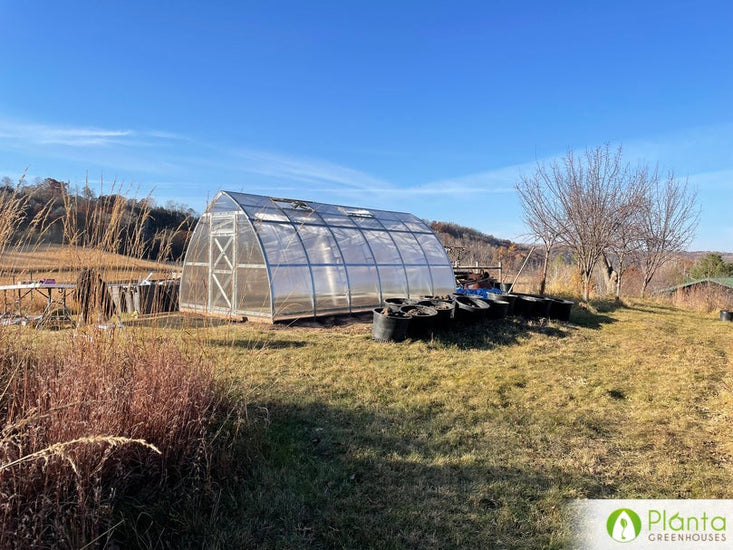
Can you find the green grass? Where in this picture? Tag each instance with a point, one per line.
(477, 439)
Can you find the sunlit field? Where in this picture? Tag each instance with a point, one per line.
(475, 438)
(173, 431)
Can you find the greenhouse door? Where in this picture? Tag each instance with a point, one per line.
(222, 255)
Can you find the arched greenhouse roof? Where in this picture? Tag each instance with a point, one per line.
(274, 258)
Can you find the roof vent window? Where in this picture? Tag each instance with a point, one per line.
(292, 204)
(357, 213)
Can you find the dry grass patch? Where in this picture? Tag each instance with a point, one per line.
(477, 438)
(62, 262)
(90, 420)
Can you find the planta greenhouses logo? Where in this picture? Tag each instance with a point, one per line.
(623, 525)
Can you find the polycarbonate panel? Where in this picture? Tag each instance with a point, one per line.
(299, 216)
(369, 223)
(281, 244)
(394, 284)
(444, 280)
(337, 220)
(413, 223)
(409, 248)
(245, 199)
(253, 291)
(434, 250)
(223, 204)
(198, 246)
(419, 280)
(364, 286)
(393, 225)
(384, 249)
(417, 225)
(193, 292)
(332, 289)
(260, 214)
(223, 223)
(292, 291)
(385, 215)
(353, 246)
(194, 288)
(249, 252)
(320, 244)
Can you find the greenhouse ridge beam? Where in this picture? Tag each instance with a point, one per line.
(276, 258)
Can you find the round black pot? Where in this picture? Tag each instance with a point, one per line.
(396, 303)
(498, 310)
(444, 309)
(532, 307)
(466, 311)
(510, 298)
(560, 309)
(422, 320)
(389, 326)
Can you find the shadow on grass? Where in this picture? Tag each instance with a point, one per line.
(174, 320)
(583, 317)
(330, 321)
(654, 308)
(492, 334)
(329, 477)
(257, 343)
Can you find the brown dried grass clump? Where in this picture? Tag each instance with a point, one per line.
(91, 418)
(705, 299)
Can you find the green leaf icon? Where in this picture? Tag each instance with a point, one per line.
(623, 525)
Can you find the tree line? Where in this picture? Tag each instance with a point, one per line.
(608, 212)
(48, 211)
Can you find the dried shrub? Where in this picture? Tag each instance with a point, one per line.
(88, 420)
(703, 298)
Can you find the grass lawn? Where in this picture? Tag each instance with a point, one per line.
(475, 439)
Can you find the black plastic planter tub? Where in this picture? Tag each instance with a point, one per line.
(498, 310)
(560, 309)
(389, 326)
(483, 305)
(422, 320)
(726, 315)
(467, 311)
(510, 298)
(396, 303)
(532, 307)
(443, 308)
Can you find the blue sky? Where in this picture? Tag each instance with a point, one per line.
(434, 108)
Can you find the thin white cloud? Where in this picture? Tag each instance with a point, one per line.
(307, 170)
(718, 180)
(690, 150)
(490, 182)
(30, 134)
(43, 134)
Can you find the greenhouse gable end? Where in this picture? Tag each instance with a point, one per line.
(268, 258)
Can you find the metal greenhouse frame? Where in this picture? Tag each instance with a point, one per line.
(274, 259)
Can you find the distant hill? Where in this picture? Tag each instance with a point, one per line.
(469, 246)
(695, 255)
(48, 212)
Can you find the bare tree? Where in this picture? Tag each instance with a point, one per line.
(582, 197)
(624, 246)
(668, 220)
(539, 213)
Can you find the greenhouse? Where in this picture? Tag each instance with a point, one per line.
(273, 259)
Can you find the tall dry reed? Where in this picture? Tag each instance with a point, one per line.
(704, 298)
(89, 419)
